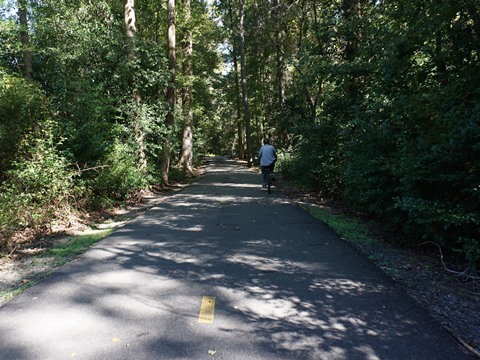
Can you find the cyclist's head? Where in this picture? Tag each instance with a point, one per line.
(266, 141)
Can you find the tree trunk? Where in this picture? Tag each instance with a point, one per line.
(139, 130)
(350, 10)
(186, 154)
(25, 39)
(243, 75)
(130, 19)
(277, 15)
(240, 123)
(170, 119)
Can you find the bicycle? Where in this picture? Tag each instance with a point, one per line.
(269, 178)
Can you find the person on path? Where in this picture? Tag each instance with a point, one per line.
(267, 157)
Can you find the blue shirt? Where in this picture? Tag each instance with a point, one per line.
(267, 155)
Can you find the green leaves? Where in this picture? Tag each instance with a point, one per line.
(384, 105)
(22, 106)
(37, 187)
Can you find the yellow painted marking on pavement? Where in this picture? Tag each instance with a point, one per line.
(207, 310)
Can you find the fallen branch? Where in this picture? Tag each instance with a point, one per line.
(81, 170)
(464, 274)
(467, 346)
(11, 252)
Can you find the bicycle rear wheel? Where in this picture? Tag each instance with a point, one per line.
(269, 181)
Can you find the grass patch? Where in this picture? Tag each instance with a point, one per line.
(8, 295)
(347, 228)
(62, 253)
(45, 263)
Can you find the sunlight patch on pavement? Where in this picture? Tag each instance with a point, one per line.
(219, 198)
(368, 351)
(234, 185)
(298, 342)
(346, 286)
(271, 264)
(176, 257)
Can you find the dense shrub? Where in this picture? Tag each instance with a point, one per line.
(315, 160)
(369, 168)
(439, 184)
(402, 95)
(22, 106)
(424, 181)
(38, 187)
(116, 176)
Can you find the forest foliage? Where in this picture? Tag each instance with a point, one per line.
(69, 130)
(376, 103)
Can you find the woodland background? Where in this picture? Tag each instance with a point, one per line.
(374, 103)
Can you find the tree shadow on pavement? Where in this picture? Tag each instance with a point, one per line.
(285, 286)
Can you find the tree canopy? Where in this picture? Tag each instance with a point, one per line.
(372, 102)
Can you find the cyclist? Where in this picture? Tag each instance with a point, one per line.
(267, 157)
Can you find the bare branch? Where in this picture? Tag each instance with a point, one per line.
(463, 274)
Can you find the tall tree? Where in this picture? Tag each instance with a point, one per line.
(25, 39)
(243, 76)
(238, 104)
(170, 118)
(131, 30)
(351, 14)
(186, 153)
(279, 31)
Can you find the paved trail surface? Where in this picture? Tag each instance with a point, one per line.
(221, 270)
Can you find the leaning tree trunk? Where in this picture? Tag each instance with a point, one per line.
(139, 130)
(170, 118)
(25, 39)
(186, 154)
(243, 75)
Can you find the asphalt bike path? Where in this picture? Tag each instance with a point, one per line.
(221, 270)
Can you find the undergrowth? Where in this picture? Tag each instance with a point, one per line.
(347, 228)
